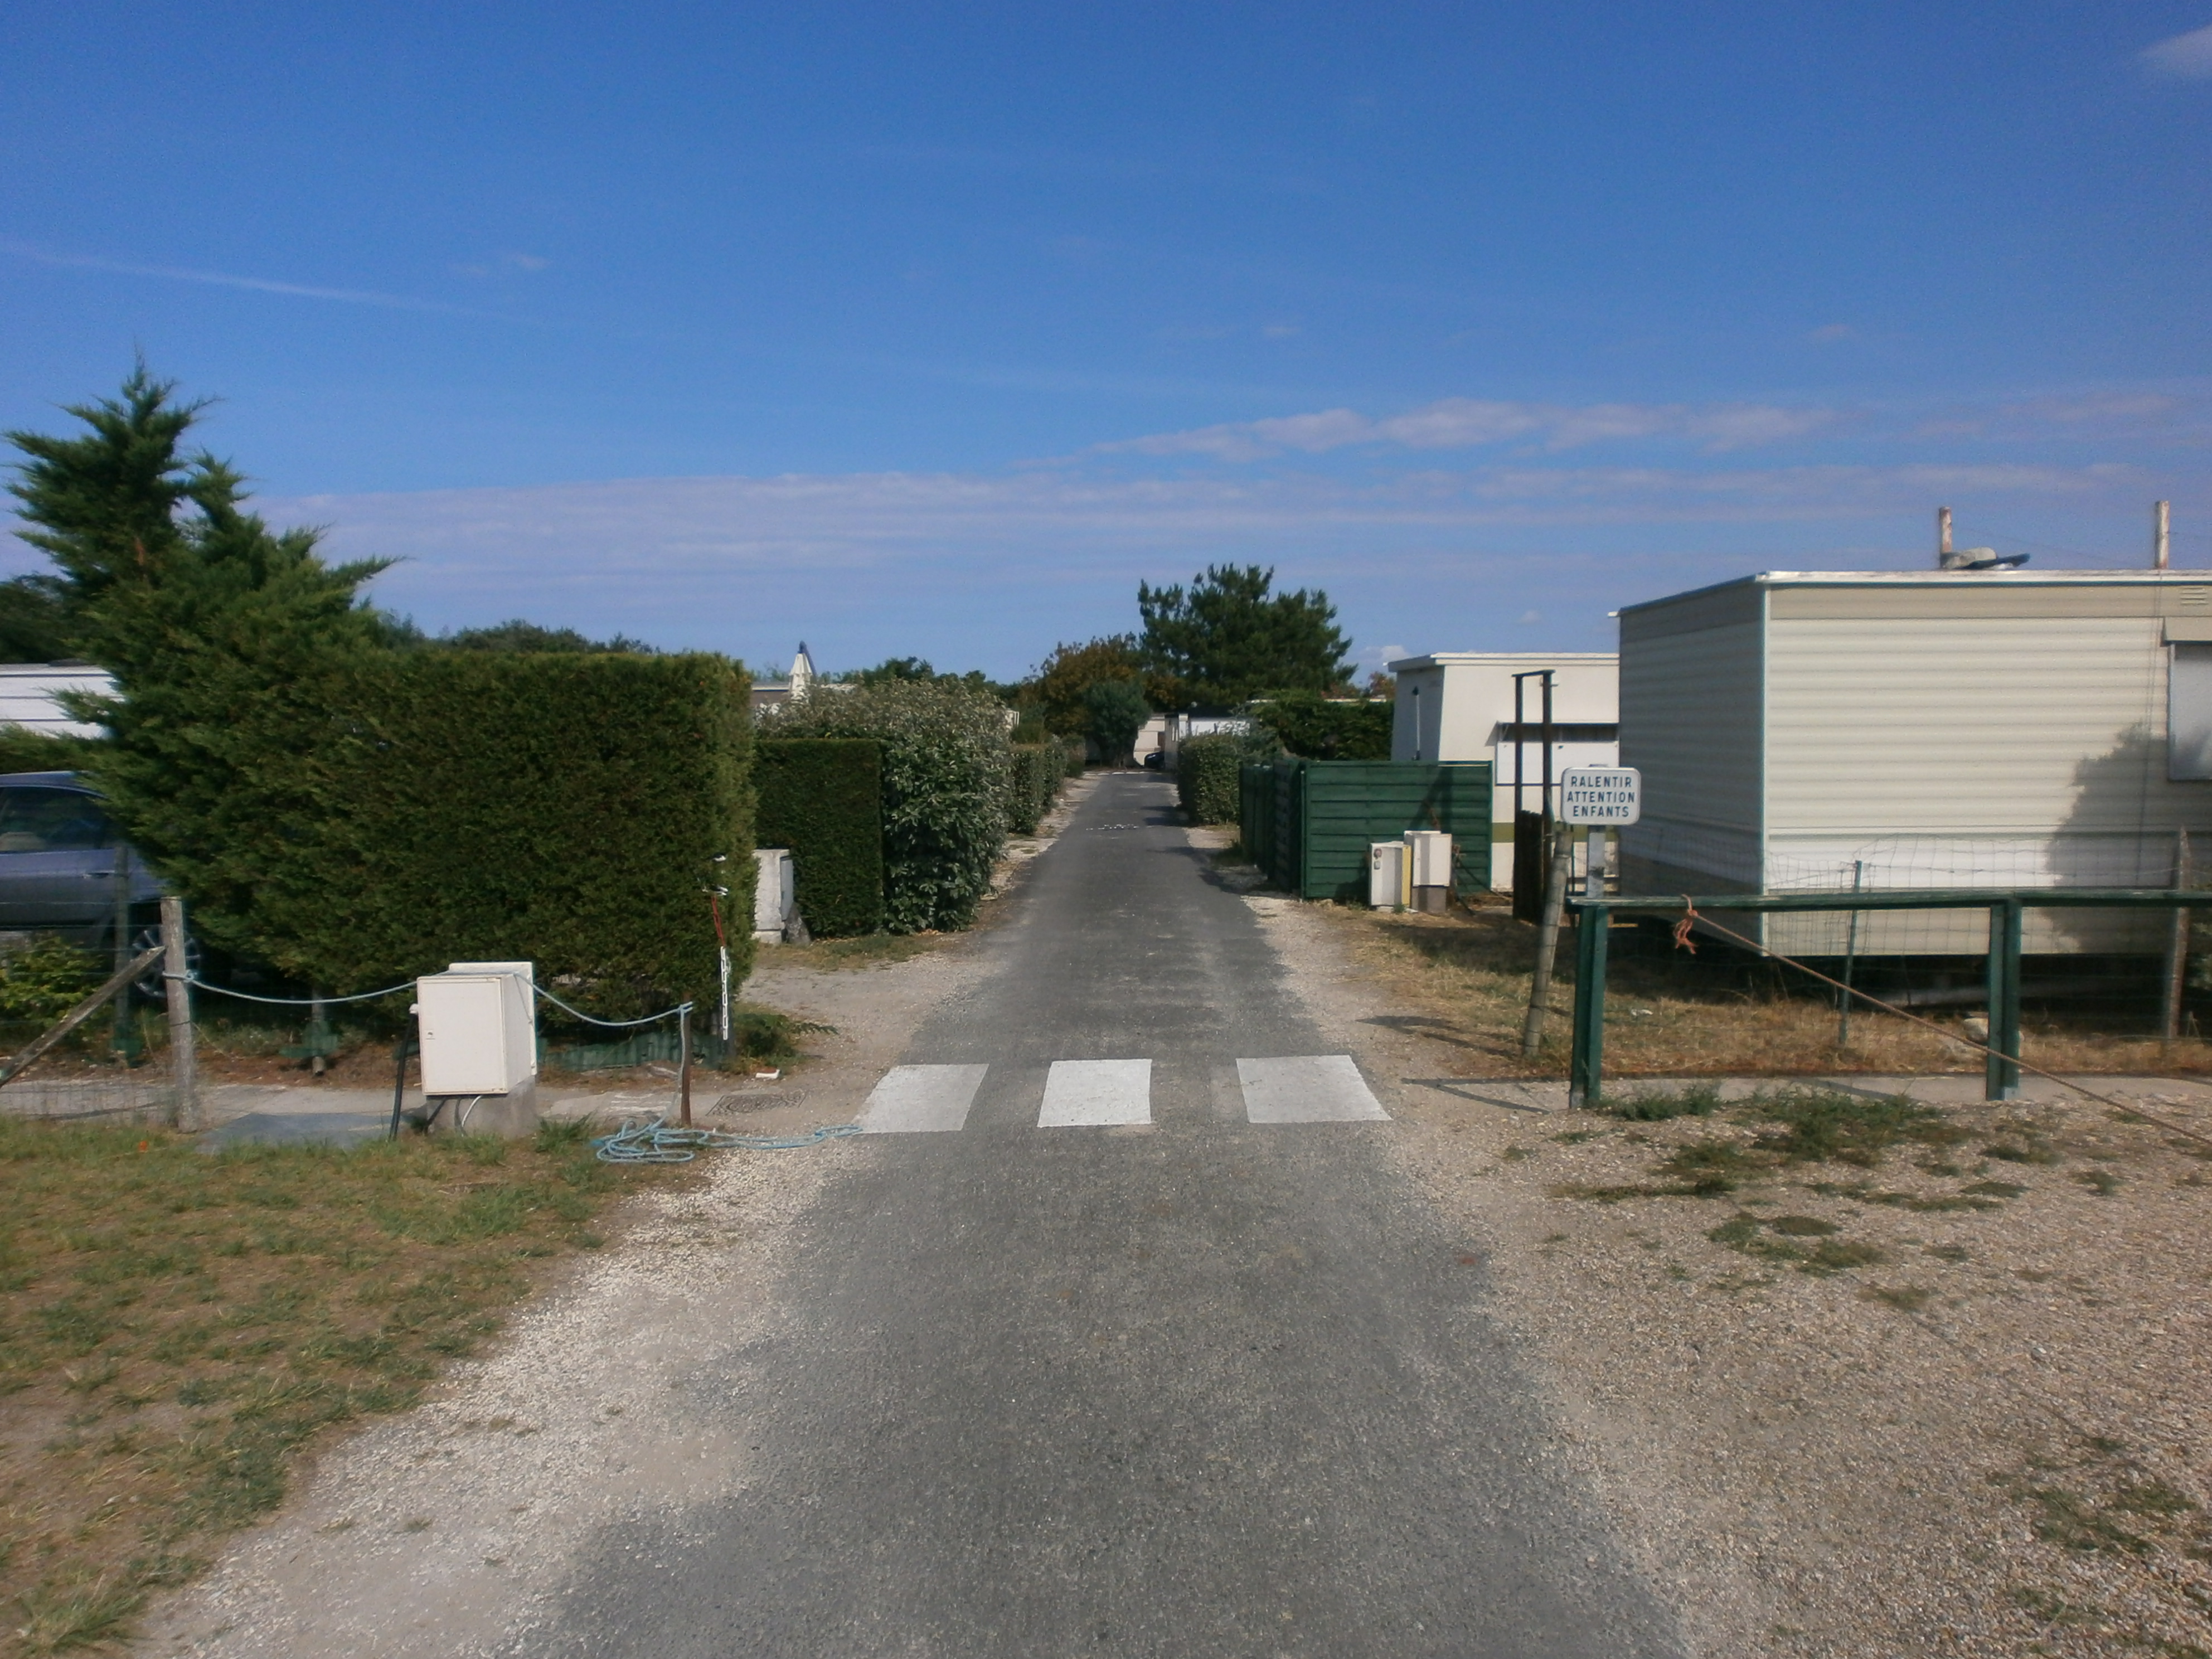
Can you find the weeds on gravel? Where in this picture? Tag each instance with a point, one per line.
(1814, 1125)
(1746, 1232)
(174, 1327)
(2109, 1504)
(1658, 1105)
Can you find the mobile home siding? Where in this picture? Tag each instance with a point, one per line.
(1691, 688)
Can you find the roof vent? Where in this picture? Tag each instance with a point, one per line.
(1980, 558)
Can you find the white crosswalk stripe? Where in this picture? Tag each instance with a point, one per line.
(1079, 1092)
(1107, 1093)
(922, 1100)
(1307, 1089)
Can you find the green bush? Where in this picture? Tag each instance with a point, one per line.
(824, 799)
(25, 750)
(1317, 729)
(944, 789)
(1207, 771)
(561, 808)
(1074, 756)
(46, 978)
(1033, 776)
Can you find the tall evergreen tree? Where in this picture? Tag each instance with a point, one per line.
(225, 639)
(1228, 637)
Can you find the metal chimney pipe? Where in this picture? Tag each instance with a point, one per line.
(1942, 538)
(2160, 523)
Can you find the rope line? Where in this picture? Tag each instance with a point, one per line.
(289, 1002)
(612, 1024)
(1692, 914)
(658, 1142)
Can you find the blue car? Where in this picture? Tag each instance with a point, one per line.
(61, 858)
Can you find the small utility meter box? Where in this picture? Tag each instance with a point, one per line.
(478, 1021)
(1386, 875)
(1430, 854)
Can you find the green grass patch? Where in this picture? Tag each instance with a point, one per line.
(1817, 1126)
(195, 1321)
(1658, 1105)
(1753, 1235)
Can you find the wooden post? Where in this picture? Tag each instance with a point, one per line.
(2001, 1069)
(2161, 522)
(1548, 941)
(683, 1062)
(2177, 944)
(1586, 1069)
(183, 1053)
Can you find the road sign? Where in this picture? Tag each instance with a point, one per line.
(1600, 794)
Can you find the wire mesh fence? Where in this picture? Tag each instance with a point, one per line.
(2080, 980)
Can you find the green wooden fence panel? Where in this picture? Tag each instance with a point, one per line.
(1343, 805)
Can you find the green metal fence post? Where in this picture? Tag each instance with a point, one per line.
(2001, 1073)
(1586, 1073)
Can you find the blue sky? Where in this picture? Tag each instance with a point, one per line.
(931, 330)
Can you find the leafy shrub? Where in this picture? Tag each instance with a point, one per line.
(1656, 1105)
(824, 799)
(1315, 728)
(944, 789)
(46, 978)
(1207, 771)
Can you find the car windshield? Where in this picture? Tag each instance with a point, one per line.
(50, 821)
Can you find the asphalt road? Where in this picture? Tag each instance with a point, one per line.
(1201, 1386)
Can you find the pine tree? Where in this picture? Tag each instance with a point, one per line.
(1228, 638)
(226, 641)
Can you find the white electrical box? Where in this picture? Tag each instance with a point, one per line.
(1431, 853)
(479, 1028)
(774, 894)
(1386, 875)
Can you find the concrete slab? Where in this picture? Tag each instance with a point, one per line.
(298, 1129)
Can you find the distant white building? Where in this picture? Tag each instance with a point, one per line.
(29, 693)
(767, 694)
(1459, 706)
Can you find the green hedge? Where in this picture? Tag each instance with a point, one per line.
(1033, 776)
(565, 809)
(944, 789)
(824, 799)
(1314, 728)
(1206, 774)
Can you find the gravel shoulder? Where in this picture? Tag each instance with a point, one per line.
(1948, 1403)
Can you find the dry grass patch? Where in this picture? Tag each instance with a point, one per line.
(1670, 1013)
(177, 1327)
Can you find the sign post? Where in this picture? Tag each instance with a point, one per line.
(1596, 795)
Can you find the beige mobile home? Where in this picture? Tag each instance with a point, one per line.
(1458, 706)
(1942, 728)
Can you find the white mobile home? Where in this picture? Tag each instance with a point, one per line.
(1938, 728)
(29, 690)
(1459, 706)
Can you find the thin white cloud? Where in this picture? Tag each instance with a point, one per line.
(2184, 57)
(223, 279)
(1472, 423)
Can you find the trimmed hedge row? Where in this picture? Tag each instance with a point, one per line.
(944, 789)
(1207, 777)
(1315, 728)
(566, 809)
(1033, 781)
(824, 799)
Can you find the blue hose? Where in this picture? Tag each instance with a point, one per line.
(658, 1142)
